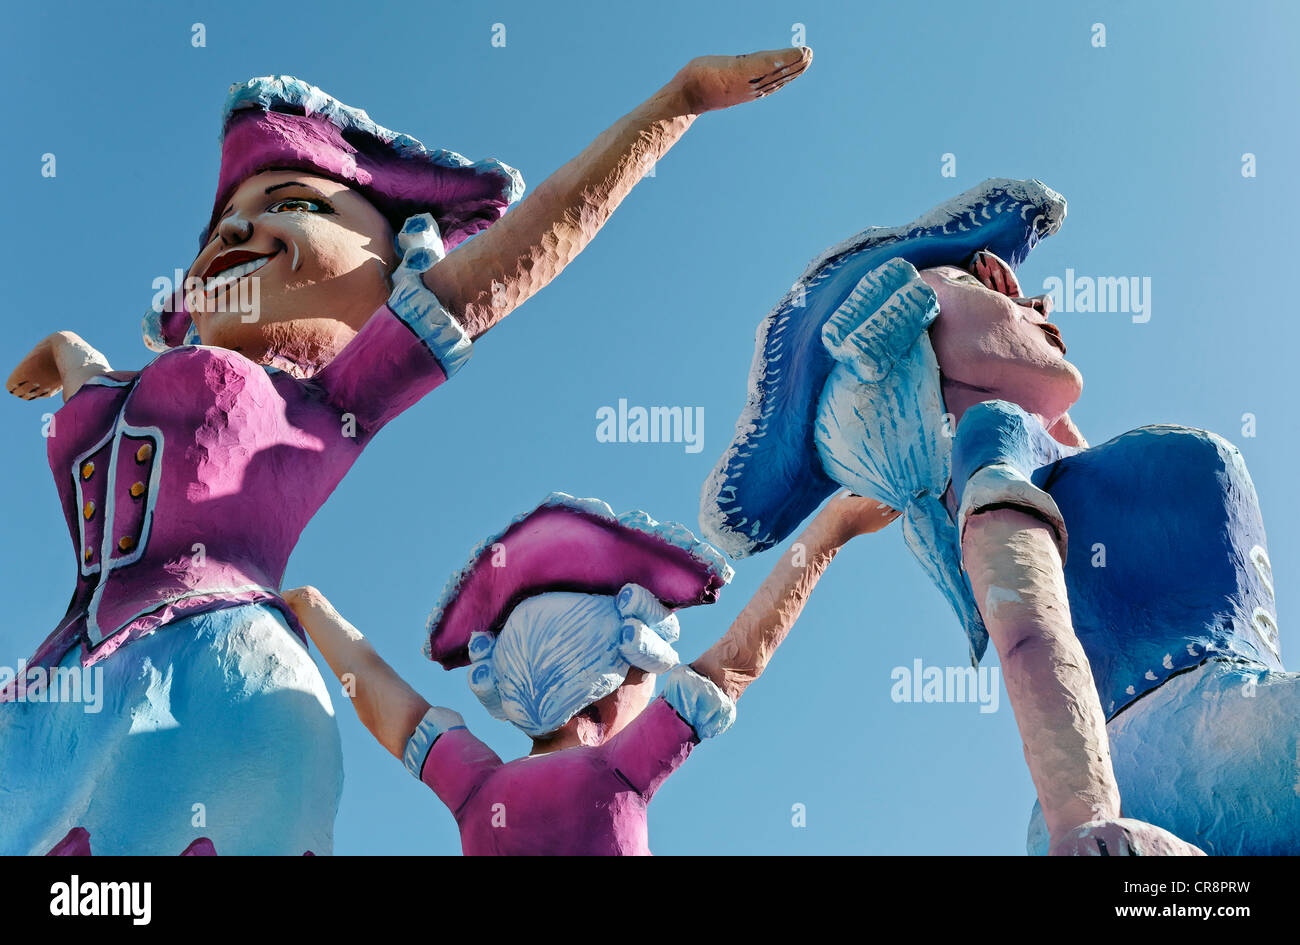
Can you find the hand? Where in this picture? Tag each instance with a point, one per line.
(852, 515)
(319, 618)
(995, 274)
(1122, 836)
(307, 602)
(713, 82)
(63, 361)
(37, 375)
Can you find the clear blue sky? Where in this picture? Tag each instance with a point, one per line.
(1143, 137)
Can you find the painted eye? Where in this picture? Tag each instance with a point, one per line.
(300, 205)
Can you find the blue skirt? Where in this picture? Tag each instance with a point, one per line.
(1213, 756)
(218, 725)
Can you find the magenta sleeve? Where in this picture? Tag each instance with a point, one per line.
(456, 765)
(384, 370)
(651, 747)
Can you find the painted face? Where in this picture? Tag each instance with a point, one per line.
(991, 343)
(310, 256)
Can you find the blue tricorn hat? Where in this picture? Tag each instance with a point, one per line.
(770, 478)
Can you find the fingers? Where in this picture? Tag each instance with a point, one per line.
(784, 73)
(305, 599)
(1013, 284)
(863, 515)
(1123, 837)
(789, 57)
(995, 274)
(983, 270)
(32, 390)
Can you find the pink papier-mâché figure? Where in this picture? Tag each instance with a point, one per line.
(334, 286)
(565, 619)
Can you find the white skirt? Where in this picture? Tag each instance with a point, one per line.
(1212, 755)
(218, 725)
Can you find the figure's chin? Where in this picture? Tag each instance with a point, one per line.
(309, 342)
(1060, 391)
(1072, 382)
(231, 332)
(1046, 390)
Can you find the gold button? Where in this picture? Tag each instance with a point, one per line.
(88, 510)
(126, 544)
(90, 553)
(137, 490)
(87, 470)
(143, 453)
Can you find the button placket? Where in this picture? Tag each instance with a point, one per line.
(87, 477)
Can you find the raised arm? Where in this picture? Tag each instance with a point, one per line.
(386, 705)
(743, 653)
(483, 280)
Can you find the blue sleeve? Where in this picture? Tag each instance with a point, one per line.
(998, 449)
(1000, 432)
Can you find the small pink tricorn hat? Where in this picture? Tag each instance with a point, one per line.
(575, 545)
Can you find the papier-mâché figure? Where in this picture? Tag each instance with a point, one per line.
(1149, 693)
(565, 619)
(186, 484)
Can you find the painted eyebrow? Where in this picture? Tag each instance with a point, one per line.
(274, 187)
(292, 183)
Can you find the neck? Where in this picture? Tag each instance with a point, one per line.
(958, 397)
(581, 730)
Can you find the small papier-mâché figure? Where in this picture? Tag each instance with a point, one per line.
(565, 619)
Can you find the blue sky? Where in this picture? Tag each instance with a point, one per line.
(1144, 137)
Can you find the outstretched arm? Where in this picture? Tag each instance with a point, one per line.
(743, 653)
(386, 705)
(483, 280)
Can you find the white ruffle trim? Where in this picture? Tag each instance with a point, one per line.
(1001, 483)
(704, 706)
(436, 722)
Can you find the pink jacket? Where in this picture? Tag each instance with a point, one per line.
(585, 801)
(186, 485)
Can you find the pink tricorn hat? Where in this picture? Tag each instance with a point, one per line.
(575, 545)
(279, 122)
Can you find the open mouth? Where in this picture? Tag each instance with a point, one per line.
(229, 268)
(1053, 335)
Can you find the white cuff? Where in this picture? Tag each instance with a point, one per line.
(1003, 484)
(412, 301)
(436, 722)
(704, 706)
